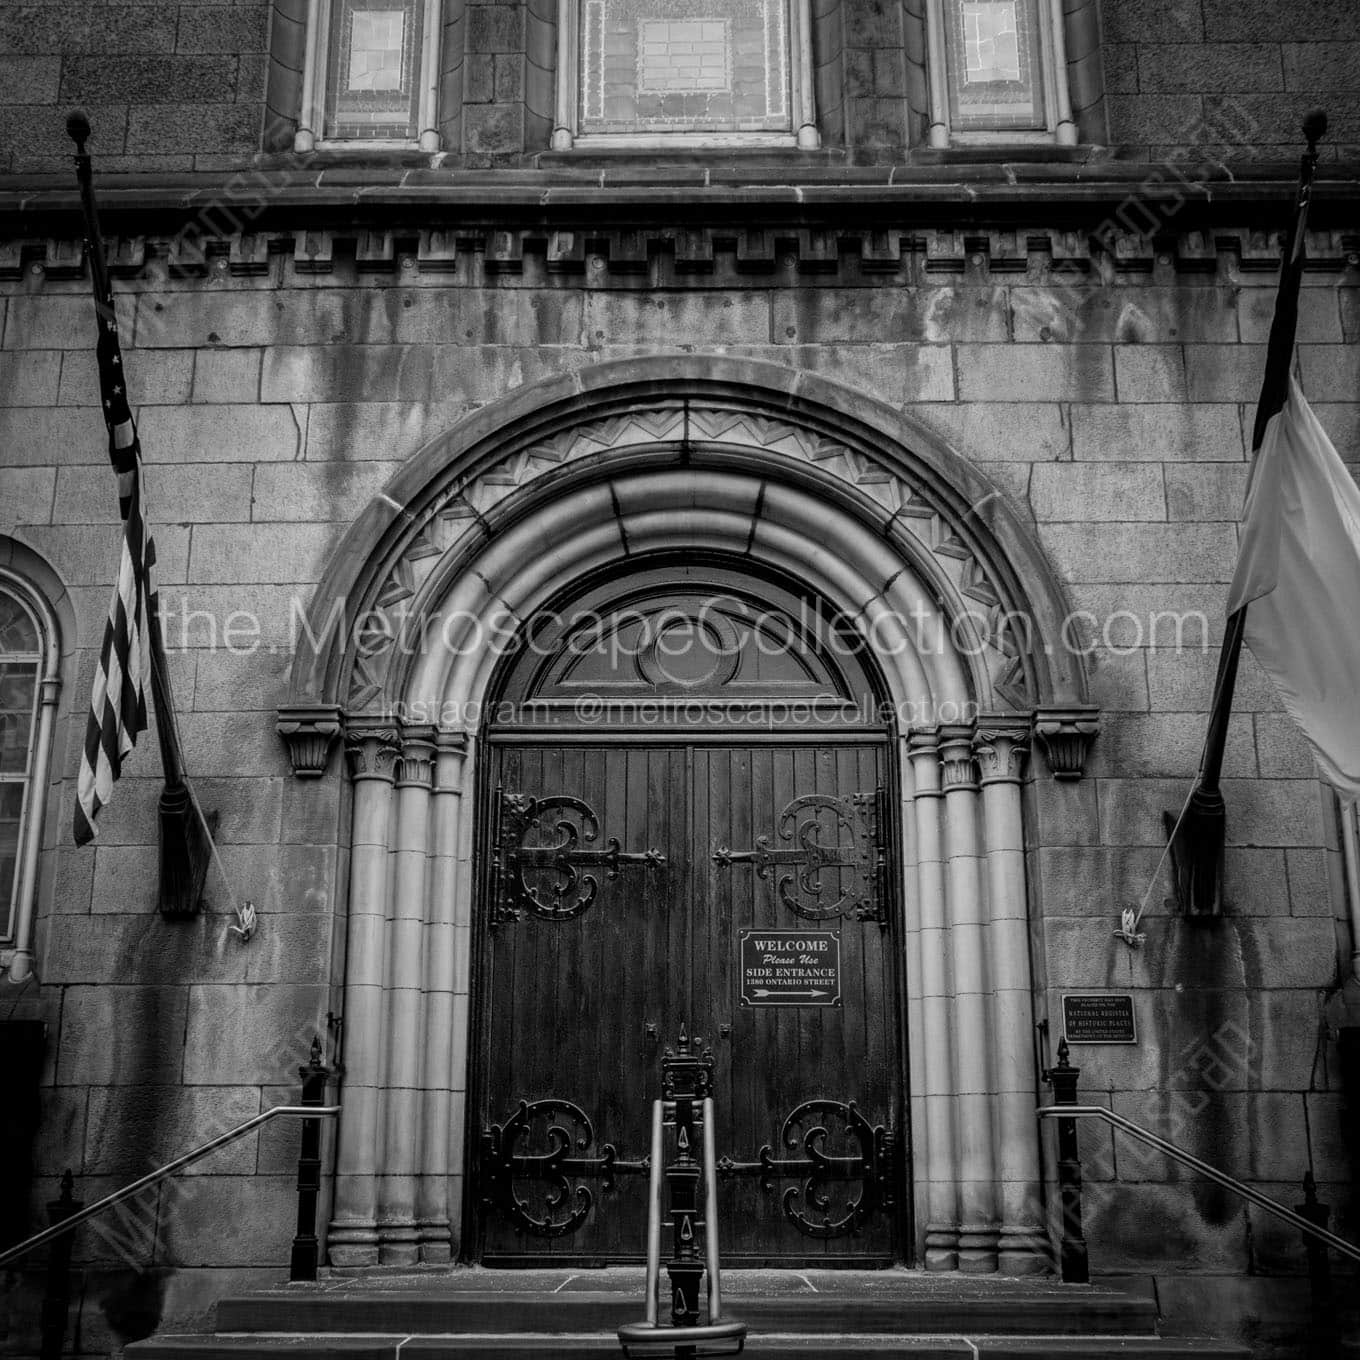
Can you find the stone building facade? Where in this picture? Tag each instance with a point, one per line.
(997, 382)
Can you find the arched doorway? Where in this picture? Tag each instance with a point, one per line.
(591, 477)
(686, 827)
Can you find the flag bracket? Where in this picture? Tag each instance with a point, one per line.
(1197, 856)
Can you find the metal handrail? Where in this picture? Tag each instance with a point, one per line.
(1222, 1178)
(164, 1172)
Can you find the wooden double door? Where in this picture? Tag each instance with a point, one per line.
(738, 894)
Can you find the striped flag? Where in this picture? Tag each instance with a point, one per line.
(118, 701)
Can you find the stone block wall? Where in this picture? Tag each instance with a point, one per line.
(1113, 413)
(178, 87)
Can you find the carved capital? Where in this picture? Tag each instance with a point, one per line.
(957, 767)
(372, 750)
(308, 731)
(1065, 736)
(1000, 744)
(416, 766)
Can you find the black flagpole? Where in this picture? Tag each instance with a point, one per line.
(1197, 848)
(184, 849)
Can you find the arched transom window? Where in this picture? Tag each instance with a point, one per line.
(21, 673)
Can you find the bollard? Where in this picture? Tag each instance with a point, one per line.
(1062, 1077)
(57, 1298)
(306, 1250)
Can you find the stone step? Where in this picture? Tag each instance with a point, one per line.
(1075, 1311)
(767, 1346)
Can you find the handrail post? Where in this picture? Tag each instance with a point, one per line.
(306, 1249)
(57, 1297)
(1319, 1267)
(1062, 1077)
(687, 1080)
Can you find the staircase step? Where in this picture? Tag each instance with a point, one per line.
(769, 1346)
(1046, 1312)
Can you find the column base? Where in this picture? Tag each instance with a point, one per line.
(352, 1244)
(942, 1248)
(436, 1246)
(977, 1250)
(400, 1246)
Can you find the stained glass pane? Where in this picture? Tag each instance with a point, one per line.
(684, 66)
(372, 70)
(18, 690)
(994, 64)
(18, 632)
(11, 813)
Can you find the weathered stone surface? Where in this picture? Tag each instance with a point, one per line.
(932, 315)
(1151, 21)
(1169, 616)
(235, 684)
(1184, 682)
(1306, 21)
(213, 128)
(1136, 744)
(229, 433)
(1147, 315)
(260, 553)
(30, 378)
(298, 878)
(1224, 372)
(1141, 553)
(1203, 67)
(240, 1033)
(30, 79)
(227, 375)
(706, 319)
(1156, 119)
(1212, 491)
(223, 28)
(121, 1034)
(998, 431)
(1330, 370)
(125, 877)
(318, 491)
(88, 554)
(1156, 432)
(1281, 748)
(233, 745)
(1066, 811)
(155, 378)
(27, 494)
(1324, 65)
(133, 1129)
(46, 435)
(1319, 315)
(1109, 491)
(240, 1220)
(1034, 372)
(1119, 683)
(199, 616)
(376, 429)
(1150, 373)
(1314, 881)
(149, 79)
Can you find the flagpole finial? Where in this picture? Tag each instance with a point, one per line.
(1314, 128)
(78, 129)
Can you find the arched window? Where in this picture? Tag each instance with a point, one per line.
(28, 696)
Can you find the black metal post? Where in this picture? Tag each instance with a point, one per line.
(1062, 1077)
(57, 1298)
(686, 1079)
(1319, 1270)
(306, 1251)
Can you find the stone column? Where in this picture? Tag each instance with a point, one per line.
(353, 1236)
(402, 998)
(1000, 746)
(976, 1167)
(441, 956)
(936, 1041)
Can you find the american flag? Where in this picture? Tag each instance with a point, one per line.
(118, 700)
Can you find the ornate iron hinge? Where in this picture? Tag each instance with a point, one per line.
(868, 1163)
(569, 1135)
(564, 891)
(854, 849)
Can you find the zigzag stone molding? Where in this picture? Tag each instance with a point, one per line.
(906, 508)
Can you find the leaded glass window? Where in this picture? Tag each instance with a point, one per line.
(373, 69)
(994, 57)
(20, 672)
(684, 66)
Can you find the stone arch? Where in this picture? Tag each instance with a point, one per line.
(756, 463)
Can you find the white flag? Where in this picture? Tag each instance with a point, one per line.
(1299, 570)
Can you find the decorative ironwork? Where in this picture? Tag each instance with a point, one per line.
(854, 853)
(565, 890)
(839, 1146)
(557, 1208)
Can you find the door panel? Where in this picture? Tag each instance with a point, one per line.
(566, 1002)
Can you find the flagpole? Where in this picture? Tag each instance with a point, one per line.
(78, 127)
(185, 834)
(1197, 848)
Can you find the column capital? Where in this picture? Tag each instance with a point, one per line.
(308, 730)
(1065, 734)
(956, 757)
(372, 749)
(1000, 744)
(416, 766)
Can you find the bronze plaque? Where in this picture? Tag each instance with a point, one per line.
(1100, 1019)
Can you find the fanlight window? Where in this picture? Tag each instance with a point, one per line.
(688, 646)
(21, 665)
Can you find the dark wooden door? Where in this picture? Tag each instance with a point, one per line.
(577, 1005)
